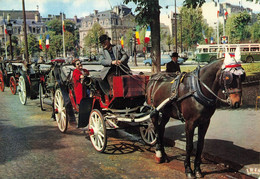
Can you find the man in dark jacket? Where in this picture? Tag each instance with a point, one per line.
(173, 66)
(113, 58)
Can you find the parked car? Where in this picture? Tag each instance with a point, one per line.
(140, 55)
(164, 59)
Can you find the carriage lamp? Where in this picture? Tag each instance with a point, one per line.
(9, 28)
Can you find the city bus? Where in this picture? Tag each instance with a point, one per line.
(207, 53)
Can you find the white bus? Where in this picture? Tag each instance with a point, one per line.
(208, 53)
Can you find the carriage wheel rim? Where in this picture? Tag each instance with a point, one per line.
(61, 111)
(22, 90)
(98, 136)
(147, 133)
(41, 96)
(2, 84)
(13, 85)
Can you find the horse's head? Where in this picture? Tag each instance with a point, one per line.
(232, 75)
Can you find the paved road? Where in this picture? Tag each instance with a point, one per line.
(32, 147)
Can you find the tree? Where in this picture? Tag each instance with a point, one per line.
(192, 22)
(33, 44)
(149, 14)
(193, 3)
(236, 27)
(91, 39)
(169, 41)
(255, 32)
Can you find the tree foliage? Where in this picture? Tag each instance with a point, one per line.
(236, 27)
(193, 3)
(192, 25)
(91, 39)
(33, 44)
(149, 14)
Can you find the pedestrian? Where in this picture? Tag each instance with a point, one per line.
(114, 59)
(78, 76)
(173, 66)
(41, 60)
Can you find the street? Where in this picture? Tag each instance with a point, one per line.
(32, 147)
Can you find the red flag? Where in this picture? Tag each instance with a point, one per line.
(5, 30)
(63, 26)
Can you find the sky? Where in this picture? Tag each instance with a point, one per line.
(83, 8)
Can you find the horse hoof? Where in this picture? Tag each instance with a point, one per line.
(198, 174)
(158, 160)
(190, 175)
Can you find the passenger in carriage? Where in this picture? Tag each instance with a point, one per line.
(173, 66)
(114, 59)
(78, 76)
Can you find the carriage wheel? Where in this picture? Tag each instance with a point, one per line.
(2, 83)
(12, 84)
(147, 132)
(60, 111)
(41, 96)
(22, 90)
(97, 130)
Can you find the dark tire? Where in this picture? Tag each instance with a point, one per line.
(147, 64)
(249, 59)
(41, 96)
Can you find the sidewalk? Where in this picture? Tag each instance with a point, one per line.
(232, 139)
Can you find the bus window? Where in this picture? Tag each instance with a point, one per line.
(254, 49)
(205, 50)
(245, 49)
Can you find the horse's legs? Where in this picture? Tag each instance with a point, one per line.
(163, 122)
(189, 129)
(159, 129)
(202, 129)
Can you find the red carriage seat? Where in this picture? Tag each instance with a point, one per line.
(129, 85)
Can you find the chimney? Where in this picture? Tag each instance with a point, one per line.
(75, 19)
(95, 12)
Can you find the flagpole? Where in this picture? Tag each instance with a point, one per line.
(63, 35)
(218, 9)
(5, 37)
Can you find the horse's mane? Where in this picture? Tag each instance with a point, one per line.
(216, 65)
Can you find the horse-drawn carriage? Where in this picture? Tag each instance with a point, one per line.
(105, 109)
(10, 71)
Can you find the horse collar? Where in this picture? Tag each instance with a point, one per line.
(199, 96)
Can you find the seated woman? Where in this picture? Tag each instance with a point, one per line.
(78, 76)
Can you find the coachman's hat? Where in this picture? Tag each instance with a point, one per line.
(104, 37)
(174, 54)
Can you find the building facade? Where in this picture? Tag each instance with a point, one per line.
(115, 23)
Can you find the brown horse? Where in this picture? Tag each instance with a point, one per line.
(192, 98)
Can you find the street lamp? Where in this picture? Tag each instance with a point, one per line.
(9, 28)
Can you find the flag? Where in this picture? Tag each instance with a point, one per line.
(218, 10)
(40, 42)
(205, 38)
(225, 14)
(122, 41)
(147, 35)
(47, 41)
(137, 35)
(5, 29)
(211, 40)
(63, 26)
